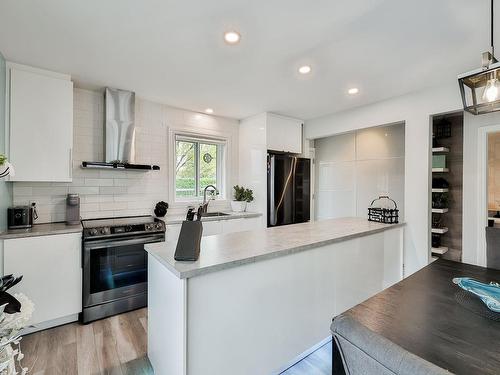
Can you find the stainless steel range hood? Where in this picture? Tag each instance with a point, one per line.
(120, 126)
(120, 132)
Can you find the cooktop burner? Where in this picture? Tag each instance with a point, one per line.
(111, 227)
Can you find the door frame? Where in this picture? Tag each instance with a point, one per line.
(482, 189)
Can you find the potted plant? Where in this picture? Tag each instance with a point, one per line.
(242, 196)
(5, 167)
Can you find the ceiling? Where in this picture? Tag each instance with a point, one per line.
(173, 52)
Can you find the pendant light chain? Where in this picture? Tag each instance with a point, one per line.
(492, 44)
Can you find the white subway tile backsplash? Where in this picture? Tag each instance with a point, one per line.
(98, 182)
(24, 190)
(83, 190)
(110, 206)
(112, 193)
(50, 190)
(112, 190)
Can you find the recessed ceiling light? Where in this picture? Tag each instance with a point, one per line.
(306, 69)
(353, 91)
(209, 111)
(232, 37)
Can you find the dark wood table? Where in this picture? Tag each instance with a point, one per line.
(421, 315)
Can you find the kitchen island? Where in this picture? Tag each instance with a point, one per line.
(256, 301)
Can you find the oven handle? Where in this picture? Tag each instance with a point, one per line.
(91, 245)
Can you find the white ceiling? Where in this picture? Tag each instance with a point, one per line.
(172, 51)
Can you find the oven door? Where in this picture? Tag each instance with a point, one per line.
(114, 269)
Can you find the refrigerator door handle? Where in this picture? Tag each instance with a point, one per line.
(287, 183)
(272, 207)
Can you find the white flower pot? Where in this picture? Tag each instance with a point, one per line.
(238, 206)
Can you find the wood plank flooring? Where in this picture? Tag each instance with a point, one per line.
(316, 363)
(117, 346)
(112, 346)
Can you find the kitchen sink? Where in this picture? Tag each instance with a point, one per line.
(213, 214)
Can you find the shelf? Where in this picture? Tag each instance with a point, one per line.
(439, 210)
(440, 170)
(443, 190)
(433, 259)
(440, 149)
(439, 250)
(440, 230)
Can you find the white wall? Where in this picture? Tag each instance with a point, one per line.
(354, 168)
(5, 189)
(414, 110)
(107, 193)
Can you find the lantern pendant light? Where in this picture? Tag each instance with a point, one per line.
(480, 88)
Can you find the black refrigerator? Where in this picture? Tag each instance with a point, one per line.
(288, 189)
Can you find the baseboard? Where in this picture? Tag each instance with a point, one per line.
(303, 355)
(49, 324)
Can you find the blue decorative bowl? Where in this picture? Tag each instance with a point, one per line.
(488, 293)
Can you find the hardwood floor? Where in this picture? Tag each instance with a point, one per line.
(112, 346)
(117, 346)
(316, 363)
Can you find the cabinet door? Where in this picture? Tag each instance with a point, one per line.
(232, 225)
(212, 227)
(284, 134)
(52, 273)
(253, 223)
(41, 126)
(172, 232)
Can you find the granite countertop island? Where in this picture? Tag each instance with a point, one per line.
(234, 249)
(278, 287)
(41, 230)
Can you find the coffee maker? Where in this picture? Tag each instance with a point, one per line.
(73, 209)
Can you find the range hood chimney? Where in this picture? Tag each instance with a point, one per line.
(120, 126)
(120, 132)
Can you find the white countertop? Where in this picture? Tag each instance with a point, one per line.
(41, 230)
(231, 250)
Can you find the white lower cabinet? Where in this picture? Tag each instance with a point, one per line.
(241, 225)
(172, 232)
(231, 226)
(52, 273)
(211, 228)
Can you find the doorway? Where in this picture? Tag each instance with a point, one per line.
(447, 186)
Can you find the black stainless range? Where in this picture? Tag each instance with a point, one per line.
(115, 264)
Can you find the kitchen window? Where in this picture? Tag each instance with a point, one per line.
(198, 162)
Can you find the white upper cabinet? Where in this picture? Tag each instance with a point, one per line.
(284, 134)
(40, 124)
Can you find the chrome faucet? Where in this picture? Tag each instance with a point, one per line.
(204, 206)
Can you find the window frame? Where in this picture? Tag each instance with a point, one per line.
(222, 144)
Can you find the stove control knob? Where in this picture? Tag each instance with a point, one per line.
(158, 226)
(128, 228)
(93, 232)
(148, 227)
(103, 231)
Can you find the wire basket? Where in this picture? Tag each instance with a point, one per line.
(383, 214)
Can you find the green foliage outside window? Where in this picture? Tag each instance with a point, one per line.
(196, 164)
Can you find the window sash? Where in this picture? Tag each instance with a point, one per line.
(220, 160)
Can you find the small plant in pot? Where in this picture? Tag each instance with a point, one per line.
(242, 196)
